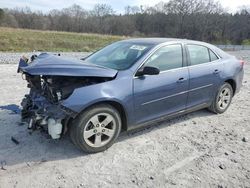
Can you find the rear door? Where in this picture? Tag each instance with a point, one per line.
(166, 93)
(205, 70)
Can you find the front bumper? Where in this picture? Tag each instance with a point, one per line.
(40, 113)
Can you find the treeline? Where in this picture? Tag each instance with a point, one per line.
(204, 20)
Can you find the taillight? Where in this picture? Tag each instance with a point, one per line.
(242, 63)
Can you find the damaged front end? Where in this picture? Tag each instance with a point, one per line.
(51, 80)
(41, 107)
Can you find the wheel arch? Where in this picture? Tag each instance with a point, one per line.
(232, 83)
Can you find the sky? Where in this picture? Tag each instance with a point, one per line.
(118, 5)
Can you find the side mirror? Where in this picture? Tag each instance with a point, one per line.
(147, 70)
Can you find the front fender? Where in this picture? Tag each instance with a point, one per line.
(118, 90)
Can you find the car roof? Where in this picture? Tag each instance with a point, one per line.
(157, 41)
(153, 41)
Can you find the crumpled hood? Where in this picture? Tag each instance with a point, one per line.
(49, 64)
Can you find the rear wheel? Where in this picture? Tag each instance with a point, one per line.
(223, 99)
(96, 129)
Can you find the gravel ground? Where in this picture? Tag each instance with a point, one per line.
(195, 150)
(13, 58)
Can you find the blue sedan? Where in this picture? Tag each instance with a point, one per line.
(126, 85)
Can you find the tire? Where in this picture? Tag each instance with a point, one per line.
(219, 104)
(96, 129)
(72, 134)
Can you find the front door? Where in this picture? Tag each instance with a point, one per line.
(163, 94)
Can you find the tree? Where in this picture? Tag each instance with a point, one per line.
(1, 14)
(101, 10)
(194, 19)
(132, 10)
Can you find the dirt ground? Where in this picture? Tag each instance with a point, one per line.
(195, 150)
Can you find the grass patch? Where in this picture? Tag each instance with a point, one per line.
(25, 40)
(246, 42)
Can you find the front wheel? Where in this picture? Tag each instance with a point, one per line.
(96, 129)
(223, 99)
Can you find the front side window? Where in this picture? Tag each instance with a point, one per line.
(166, 58)
(119, 55)
(198, 54)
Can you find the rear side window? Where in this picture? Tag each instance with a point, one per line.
(198, 54)
(213, 57)
(166, 58)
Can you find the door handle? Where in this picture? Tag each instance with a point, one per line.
(180, 80)
(216, 71)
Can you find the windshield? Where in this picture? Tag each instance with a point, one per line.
(119, 55)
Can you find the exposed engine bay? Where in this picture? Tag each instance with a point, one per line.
(42, 108)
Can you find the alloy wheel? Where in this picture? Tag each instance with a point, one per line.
(99, 130)
(224, 98)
